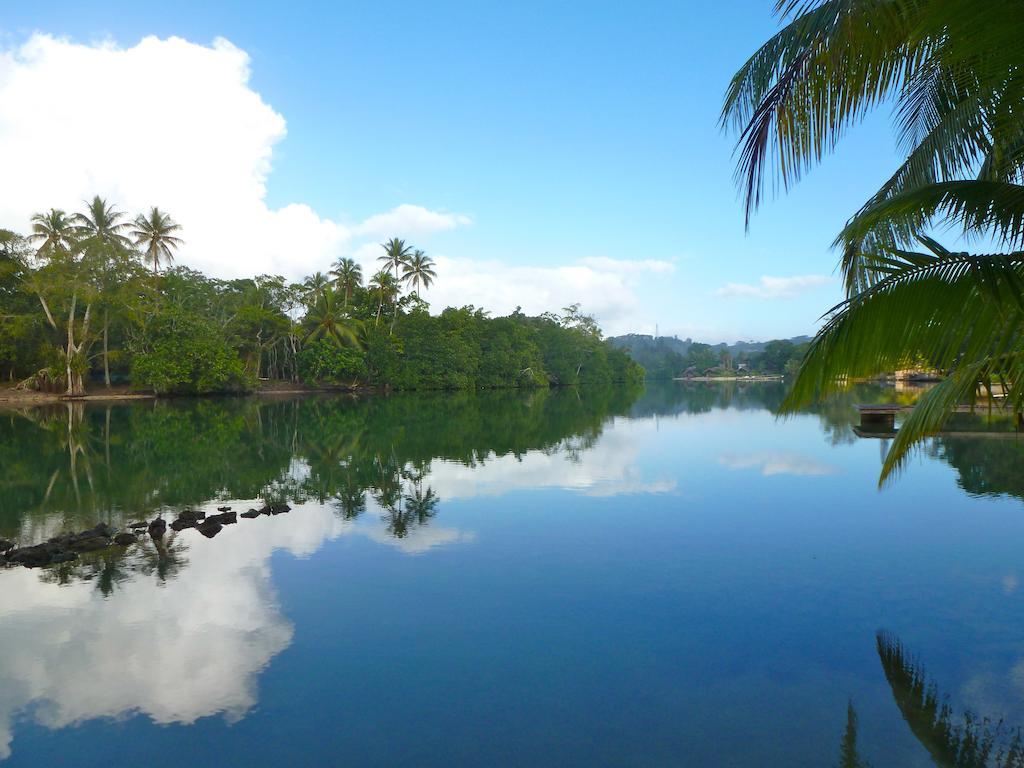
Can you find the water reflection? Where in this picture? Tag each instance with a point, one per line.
(185, 628)
(66, 467)
(113, 640)
(951, 741)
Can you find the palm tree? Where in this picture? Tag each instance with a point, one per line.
(953, 68)
(325, 319)
(386, 288)
(102, 226)
(396, 256)
(419, 270)
(348, 276)
(155, 233)
(314, 285)
(101, 235)
(54, 231)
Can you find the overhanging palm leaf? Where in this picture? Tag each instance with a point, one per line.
(981, 207)
(959, 312)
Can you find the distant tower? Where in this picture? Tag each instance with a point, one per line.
(655, 331)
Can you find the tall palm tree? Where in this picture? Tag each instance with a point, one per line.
(419, 270)
(155, 233)
(326, 319)
(396, 255)
(954, 70)
(314, 284)
(386, 288)
(102, 225)
(348, 276)
(54, 231)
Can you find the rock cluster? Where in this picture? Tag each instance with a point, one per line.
(68, 546)
(60, 549)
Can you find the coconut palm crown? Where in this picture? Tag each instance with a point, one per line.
(155, 233)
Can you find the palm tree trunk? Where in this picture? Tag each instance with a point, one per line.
(70, 349)
(106, 350)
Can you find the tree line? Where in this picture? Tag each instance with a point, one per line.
(666, 357)
(93, 297)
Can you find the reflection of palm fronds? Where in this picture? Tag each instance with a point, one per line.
(164, 557)
(422, 506)
(972, 744)
(848, 755)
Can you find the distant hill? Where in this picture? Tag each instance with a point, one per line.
(667, 356)
(637, 342)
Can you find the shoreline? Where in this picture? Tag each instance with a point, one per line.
(16, 397)
(728, 378)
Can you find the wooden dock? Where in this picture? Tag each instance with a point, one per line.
(878, 420)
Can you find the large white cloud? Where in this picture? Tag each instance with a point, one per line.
(173, 123)
(168, 123)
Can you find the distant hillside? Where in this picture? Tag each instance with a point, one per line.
(668, 356)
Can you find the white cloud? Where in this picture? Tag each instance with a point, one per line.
(628, 266)
(607, 294)
(202, 151)
(409, 220)
(776, 287)
(778, 463)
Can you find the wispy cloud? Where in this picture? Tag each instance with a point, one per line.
(777, 463)
(405, 220)
(776, 287)
(628, 266)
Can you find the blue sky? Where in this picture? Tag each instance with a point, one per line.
(560, 133)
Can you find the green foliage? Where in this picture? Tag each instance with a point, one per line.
(324, 361)
(953, 68)
(184, 354)
(182, 332)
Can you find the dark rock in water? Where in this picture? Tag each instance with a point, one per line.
(6, 545)
(157, 528)
(223, 509)
(63, 557)
(191, 514)
(100, 529)
(225, 518)
(250, 514)
(209, 529)
(125, 539)
(32, 557)
(277, 508)
(182, 523)
(89, 544)
(138, 524)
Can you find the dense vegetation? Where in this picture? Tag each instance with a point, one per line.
(84, 297)
(667, 357)
(952, 70)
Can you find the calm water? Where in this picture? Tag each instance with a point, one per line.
(660, 578)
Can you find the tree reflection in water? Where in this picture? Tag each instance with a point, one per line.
(67, 467)
(967, 741)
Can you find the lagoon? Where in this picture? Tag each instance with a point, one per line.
(666, 576)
